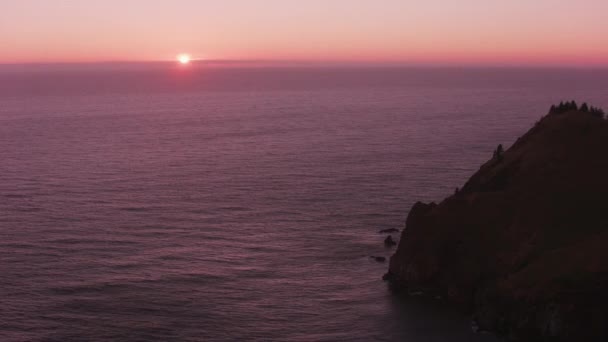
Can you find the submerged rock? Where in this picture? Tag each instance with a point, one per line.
(389, 242)
(388, 276)
(523, 245)
(378, 258)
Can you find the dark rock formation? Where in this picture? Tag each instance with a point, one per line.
(389, 242)
(378, 258)
(388, 231)
(524, 244)
(388, 276)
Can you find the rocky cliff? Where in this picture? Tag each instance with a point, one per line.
(524, 244)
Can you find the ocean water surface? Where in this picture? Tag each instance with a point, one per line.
(212, 204)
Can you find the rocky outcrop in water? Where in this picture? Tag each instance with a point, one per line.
(389, 242)
(524, 244)
(378, 258)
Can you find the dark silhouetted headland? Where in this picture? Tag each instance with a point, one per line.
(523, 245)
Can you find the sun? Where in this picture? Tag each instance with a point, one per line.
(183, 59)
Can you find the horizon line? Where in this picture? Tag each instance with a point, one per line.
(317, 63)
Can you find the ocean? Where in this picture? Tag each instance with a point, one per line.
(239, 203)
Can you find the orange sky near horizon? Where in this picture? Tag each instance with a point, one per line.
(464, 32)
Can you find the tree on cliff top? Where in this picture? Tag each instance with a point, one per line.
(565, 107)
(498, 152)
(597, 112)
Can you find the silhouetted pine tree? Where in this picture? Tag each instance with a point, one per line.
(498, 152)
(597, 112)
(553, 109)
(571, 106)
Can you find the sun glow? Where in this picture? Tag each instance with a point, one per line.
(183, 59)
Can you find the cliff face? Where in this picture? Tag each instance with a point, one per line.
(524, 244)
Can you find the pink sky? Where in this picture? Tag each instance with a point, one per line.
(462, 32)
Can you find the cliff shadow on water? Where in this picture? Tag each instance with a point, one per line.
(522, 246)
